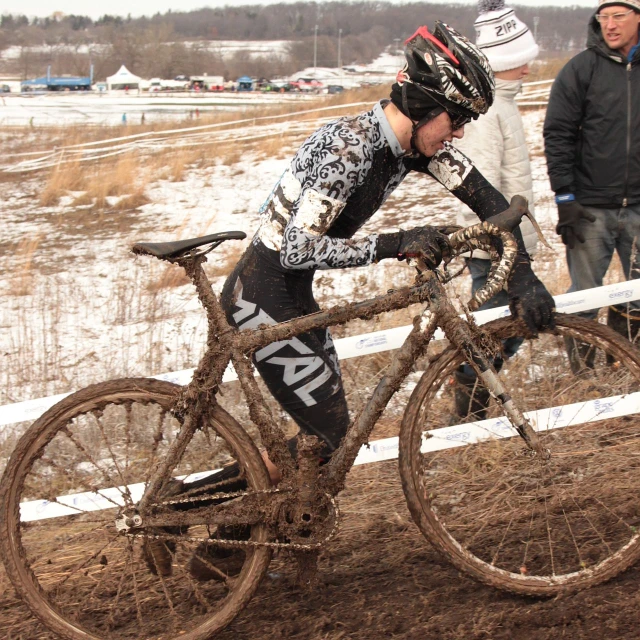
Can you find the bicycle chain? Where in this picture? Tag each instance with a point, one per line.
(296, 546)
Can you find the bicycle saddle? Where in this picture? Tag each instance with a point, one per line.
(178, 248)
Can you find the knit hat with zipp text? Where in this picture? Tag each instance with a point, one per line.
(503, 38)
(632, 4)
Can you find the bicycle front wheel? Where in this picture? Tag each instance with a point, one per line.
(63, 490)
(520, 523)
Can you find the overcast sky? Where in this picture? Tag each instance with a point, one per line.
(44, 8)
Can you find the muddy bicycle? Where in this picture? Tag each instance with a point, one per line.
(538, 496)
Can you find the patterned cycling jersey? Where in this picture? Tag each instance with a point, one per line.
(340, 177)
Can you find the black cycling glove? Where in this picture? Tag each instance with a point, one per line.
(427, 243)
(570, 216)
(528, 297)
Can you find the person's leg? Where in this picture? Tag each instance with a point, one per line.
(625, 316)
(588, 262)
(302, 372)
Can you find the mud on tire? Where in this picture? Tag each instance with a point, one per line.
(62, 489)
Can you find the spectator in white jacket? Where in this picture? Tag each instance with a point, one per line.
(497, 144)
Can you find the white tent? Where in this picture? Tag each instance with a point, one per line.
(123, 79)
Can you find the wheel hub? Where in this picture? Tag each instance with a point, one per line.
(127, 520)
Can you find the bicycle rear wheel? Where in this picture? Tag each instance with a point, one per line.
(62, 490)
(532, 526)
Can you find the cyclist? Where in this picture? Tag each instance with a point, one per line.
(337, 180)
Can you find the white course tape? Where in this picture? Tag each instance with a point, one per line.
(367, 343)
(377, 451)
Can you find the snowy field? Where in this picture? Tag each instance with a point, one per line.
(77, 307)
(118, 107)
(108, 109)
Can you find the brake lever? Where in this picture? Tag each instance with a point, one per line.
(537, 229)
(510, 218)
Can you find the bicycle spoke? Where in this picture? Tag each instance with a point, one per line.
(134, 580)
(74, 571)
(570, 529)
(553, 567)
(158, 436)
(114, 458)
(116, 601)
(127, 436)
(82, 449)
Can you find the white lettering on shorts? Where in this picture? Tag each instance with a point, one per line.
(295, 368)
(304, 392)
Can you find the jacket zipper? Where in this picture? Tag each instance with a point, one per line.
(626, 173)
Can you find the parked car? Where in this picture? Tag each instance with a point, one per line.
(5, 88)
(335, 88)
(278, 87)
(308, 84)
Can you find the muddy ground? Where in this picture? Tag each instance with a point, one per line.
(380, 579)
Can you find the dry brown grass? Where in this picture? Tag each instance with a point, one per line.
(229, 154)
(121, 177)
(22, 277)
(547, 68)
(62, 179)
(132, 201)
(126, 176)
(172, 276)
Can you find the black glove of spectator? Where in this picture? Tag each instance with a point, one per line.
(570, 215)
(529, 298)
(427, 243)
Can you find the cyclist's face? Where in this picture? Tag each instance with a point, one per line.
(431, 136)
(620, 35)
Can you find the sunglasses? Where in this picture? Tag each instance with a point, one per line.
(458, 121)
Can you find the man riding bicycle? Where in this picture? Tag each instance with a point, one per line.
(337, 180)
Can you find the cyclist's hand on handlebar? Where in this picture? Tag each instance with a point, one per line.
(529, 298)
(427, 243)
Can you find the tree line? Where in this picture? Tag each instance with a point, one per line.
(174, 43)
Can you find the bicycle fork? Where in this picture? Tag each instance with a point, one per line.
(459, 334)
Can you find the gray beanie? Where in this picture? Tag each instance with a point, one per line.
(503, 38)
(632, 4)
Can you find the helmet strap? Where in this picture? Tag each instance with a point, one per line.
(434, 113)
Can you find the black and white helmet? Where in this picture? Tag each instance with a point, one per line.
(449, 69)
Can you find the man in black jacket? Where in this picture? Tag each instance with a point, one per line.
(592, 145)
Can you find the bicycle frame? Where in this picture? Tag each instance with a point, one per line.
(227, 344)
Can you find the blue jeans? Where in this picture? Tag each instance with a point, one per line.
(479, 270)
(613, 229)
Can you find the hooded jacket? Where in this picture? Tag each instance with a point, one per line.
(592, 126)
(497, 144)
